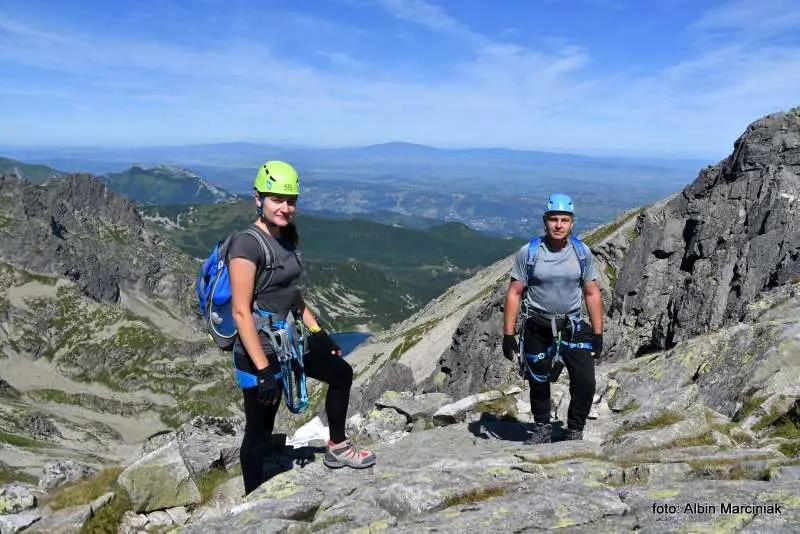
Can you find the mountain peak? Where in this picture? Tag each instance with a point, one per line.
(165, 184)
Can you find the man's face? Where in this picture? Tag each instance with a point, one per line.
(558, 224)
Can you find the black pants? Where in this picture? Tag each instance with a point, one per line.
(260, 419)
(579, 364)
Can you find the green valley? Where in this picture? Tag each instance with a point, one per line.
(358, 273)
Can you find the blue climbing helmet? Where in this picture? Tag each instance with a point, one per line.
(559, 202)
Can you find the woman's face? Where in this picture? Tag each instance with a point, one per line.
(278, 209)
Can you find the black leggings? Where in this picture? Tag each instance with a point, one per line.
(260, 419)
(579, 364)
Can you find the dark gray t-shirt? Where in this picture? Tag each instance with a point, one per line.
(555, 287)
(280, 295)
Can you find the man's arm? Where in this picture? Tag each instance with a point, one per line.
(511, 307)
(594, 305)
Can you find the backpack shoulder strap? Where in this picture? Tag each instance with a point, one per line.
(580, 250)
(264, 276)
(533, 253)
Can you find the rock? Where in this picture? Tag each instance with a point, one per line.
(16, 498)
(381, 425)
(158, 519)
(13, 523)
(475, 360)
(6, 390)
(178, 515)
(40, 427)
(60, 472)
(210, 442)
(132, 523)
(788, 472)
(159, 480)
(393, 376)
(224, 497)
(64, 521)
(456, 411)
(158, 440)
(413, 406)
(656, 473)
(687, 430)
(700, 260)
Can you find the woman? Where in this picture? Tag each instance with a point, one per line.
(276, 190)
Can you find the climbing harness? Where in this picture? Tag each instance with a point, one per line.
(572, 322)
(288, 339)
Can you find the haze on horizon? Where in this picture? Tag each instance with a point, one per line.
(670, 78)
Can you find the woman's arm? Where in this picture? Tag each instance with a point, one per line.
(243, 275)
(308, 318)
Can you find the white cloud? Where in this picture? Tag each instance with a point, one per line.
(761, 19)
(497, 93)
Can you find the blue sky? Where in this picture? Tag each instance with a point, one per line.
(666, 77)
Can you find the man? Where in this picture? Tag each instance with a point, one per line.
(549, 277)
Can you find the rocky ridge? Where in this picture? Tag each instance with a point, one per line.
(165, 184)
(697, 262)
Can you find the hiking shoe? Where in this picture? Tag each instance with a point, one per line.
(541, 433)
(570, 434)
(345, 454)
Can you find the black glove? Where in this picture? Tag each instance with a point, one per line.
(510, 346)
(269, 390)
(320, 341)
(597, 345)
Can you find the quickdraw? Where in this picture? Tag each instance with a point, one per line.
(289, 343)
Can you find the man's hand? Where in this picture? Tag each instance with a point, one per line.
(597, 345)
(510, 347)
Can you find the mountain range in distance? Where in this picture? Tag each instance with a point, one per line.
(493, 190)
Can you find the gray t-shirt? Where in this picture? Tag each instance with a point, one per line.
(280, 295)
(555, 287)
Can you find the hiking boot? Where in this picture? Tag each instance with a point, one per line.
(570, 434)
(345, 454)
(541, 433)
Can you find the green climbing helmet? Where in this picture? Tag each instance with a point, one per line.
(277, 177)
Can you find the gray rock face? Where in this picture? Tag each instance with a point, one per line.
(698, 261)
(159, 480)
(393, 376)
(16, 498)
(475, 359)
(60, 472)
(412, 406)
(210, 442)
(60, 227)
(40, 427)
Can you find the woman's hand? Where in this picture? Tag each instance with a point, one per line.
(321, 341)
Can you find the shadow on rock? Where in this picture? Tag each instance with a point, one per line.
(490, 426)
(280, 457)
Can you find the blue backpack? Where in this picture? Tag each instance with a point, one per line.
(214, 288)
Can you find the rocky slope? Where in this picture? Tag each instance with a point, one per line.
(99, 347)
(698, 261)
(703, 437)
(77, 228)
